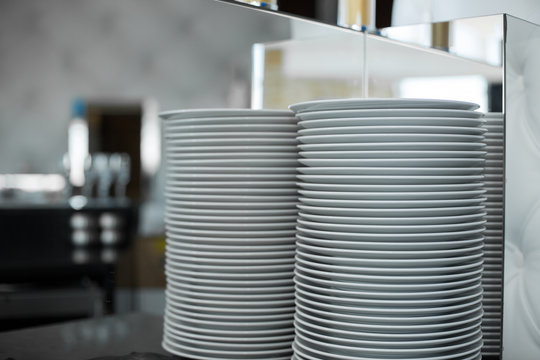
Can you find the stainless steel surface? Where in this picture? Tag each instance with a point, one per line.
(86, 339)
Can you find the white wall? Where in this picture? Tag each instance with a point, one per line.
(183, 53)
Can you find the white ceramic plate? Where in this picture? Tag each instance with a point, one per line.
(387, 195)
(172, 144)
(380, 212)
(381, 103)
(393, 121)
(405, 222)
(182, 291)
(389, 154)
(391, 179)
(225, 283)
(349, 351)
(238, 226)
(267, 199)
(246, 163)
(285, 190)
(345, 264)
(265, 185)
(237, 135)
(388, 162)
(230, 251)
(230, 150)
(172, 209)
(383, 113)
(313, 302)
(388, 137)
(435, 236)
(378, 245)
(390, 204)
(220, 240)
(231, 219)
(461, 299)
(221, 112)
(240, 312)
(385, 171)
(401, 128)
(253, 155)
(238, 276)
(228, 126)
(395, 146)
(289, 175)
(226, 233)
(230, 120)
(322, 186)
(176, 258)
(238, 204)
(230, 170)
(362, 228)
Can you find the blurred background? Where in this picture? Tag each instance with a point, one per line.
(81, 175)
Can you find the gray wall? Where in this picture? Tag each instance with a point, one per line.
(183, 53)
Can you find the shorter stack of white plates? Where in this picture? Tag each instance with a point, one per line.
(230, 221)
(390, 230)
(493, 250)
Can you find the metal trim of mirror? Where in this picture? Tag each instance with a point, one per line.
(477, 38)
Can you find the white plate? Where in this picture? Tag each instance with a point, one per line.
(345, 265)
(239, 204)
(252, 154)
(267, 199)
(435, 236)
(400, 128)
(230, 150)
(242, 282)
(398, 162)
(308, 301)
(237, 135)
(388, 228)
(178, 288)
(395, 146)
(220, 240)
(380, 103)
(404, 304)
(392, 319)
(391, 179)
(379, 212)
(390, 204)
(303, 282)
(173, 170)
(265, 185)
(388, 137)
(472, 344)
(221, 342)
(171, 209)
(201, 127)
(240, 312)
(195, 351)
(285, 190)
(231, 251)
(384, 113)
(172, 266)
(181, 291)
(394, 221)
(179, 274)
(222, 112)
(231, 219)
(238, 226)
(377, 245)
(198, 259)
(179, 230)
(246, 163)
(389, 154)
(374, 195)
(290, 175)
(385, 171)
(321, 186)
(172, 144)
(173, 318)
(393, 121)
(233, 333)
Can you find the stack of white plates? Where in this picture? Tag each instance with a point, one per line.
(390, 230)
(493, 248)
(231, 211)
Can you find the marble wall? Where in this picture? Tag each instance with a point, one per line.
(182, 53)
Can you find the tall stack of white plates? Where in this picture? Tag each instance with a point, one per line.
(231, 211)
(390, 230)
(493, 248)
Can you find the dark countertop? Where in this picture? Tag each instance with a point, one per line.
(86, 339)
